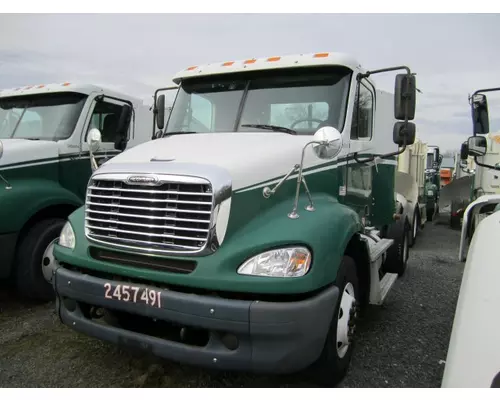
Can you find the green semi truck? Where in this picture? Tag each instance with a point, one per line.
(255, 229)
(45, 168)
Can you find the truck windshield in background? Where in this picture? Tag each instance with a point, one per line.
(40, 117)
(301, 100)
(430, 161)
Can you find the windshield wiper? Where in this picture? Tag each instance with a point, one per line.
(177, 132)
(273, 128)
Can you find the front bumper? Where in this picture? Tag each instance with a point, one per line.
(274, 337)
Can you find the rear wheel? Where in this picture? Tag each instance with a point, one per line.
(334, 361)
(430, 213)
(416, 223)
(398, 253)
(35, 260)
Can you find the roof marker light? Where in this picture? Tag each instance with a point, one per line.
(66, 84)
(191, 68)
(228, 63)
(320, 55)
(274, 59)
(40, 86)
(253, 60)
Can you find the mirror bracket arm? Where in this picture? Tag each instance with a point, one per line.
(382, 156)
(494, 167)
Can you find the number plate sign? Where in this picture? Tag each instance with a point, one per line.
(132, 294)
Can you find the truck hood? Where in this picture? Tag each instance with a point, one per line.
(26, 151)
(250, 158)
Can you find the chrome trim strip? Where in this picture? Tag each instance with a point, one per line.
(177, 228)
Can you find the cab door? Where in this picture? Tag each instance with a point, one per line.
(359, 188)
(104, 115)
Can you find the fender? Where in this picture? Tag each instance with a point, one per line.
(19, 204)
(408, 207)
(326, 232)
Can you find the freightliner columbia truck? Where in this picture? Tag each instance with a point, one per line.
(44, 167)
(255, 229)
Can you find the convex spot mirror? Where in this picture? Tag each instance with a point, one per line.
(480, 118)
(330, 142)
(405, 94)
(477, 146)
(404, 133)
(94, 139)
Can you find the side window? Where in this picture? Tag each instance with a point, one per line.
(287, 115)
(362, 117)
(105, 117)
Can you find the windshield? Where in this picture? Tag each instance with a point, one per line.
(299, 99)
(43, 117)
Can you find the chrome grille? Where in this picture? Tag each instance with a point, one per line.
(171, 216)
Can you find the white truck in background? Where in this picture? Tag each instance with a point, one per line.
(410, 186)
(474, 350)
(45, 166)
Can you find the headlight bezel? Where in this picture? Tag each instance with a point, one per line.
(250, 266)
(67, 238)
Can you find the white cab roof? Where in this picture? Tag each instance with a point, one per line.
(268, 63)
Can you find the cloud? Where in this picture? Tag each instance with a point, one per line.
(453, 54)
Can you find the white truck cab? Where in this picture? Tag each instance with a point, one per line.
(473, 358)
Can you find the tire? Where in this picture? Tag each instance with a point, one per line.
(398, 253)
(455, 220)
(29, 277)
(415, 226)
(333, 363)
(430, 213)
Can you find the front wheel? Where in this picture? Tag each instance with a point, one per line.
(35, 260)
(334, 361)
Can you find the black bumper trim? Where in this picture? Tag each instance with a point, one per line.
(273, 337)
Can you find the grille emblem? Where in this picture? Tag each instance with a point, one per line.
(143, 180)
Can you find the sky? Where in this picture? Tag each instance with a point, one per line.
(452, 54)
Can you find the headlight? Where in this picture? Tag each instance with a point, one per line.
(67, 236)
(287, 262)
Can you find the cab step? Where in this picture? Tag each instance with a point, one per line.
(386, 284)
(379, 248)
(379, 288)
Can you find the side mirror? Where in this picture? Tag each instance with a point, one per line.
(464, 151)
(124, 120)
(160, 112)
(403, 133)
(477, 146)
(480, 118)
(328, 142)
(94, 139)
(405, 94)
